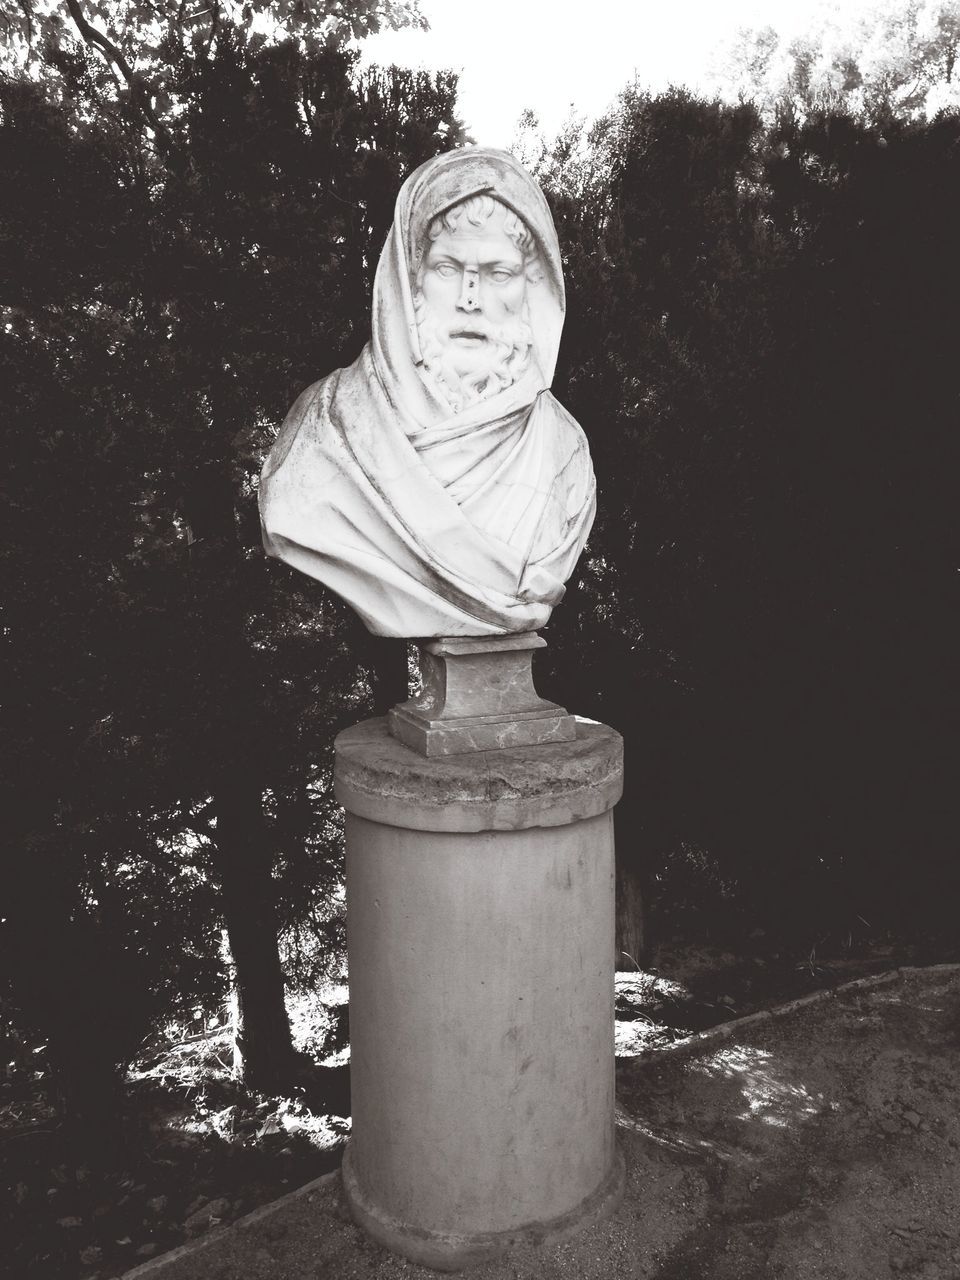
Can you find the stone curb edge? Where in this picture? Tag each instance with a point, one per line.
(727, 1030)
(154, 1265)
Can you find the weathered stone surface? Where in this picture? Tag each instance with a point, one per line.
(482, 733)
(478, 676)
(477, 695)
(456, 1250)
(435, 484)
(379, 778)
(480, 928)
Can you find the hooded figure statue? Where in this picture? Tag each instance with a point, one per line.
(436, 485)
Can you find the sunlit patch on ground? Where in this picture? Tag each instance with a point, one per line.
(319, 1023)
(673, 1140)
(639, 985)
(632, 1038)
(769, 1096)
(236, 1123)
(196, 1095)
(641, 998)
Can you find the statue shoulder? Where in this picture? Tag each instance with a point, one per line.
(570, 441)
(572, 429)
(305, 413)
(312, 397)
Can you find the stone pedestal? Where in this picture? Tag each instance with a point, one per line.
(481, 950)
(478, 695)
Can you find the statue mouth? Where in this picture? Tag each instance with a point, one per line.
(470, 336)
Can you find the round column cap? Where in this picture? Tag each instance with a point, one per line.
(378, 778)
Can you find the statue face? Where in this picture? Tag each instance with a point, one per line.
(472, 289)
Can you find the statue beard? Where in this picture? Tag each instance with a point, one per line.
(513, 348)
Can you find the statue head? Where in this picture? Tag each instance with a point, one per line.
(468, 299)
(476, 264)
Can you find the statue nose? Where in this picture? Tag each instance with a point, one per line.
(469, 299)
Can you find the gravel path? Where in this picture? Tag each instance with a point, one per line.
(819, 1140)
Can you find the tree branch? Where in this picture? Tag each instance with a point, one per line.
(214, 28)
(25, 9)
(134, 83)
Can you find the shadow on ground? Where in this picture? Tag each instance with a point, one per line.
(821, 1141)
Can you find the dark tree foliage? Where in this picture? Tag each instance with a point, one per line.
(758, 346)
(858, 515)
(172, 695)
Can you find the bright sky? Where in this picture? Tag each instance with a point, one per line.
(551, 54)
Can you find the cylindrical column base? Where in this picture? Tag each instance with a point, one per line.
(481, 955)
(453, 1251)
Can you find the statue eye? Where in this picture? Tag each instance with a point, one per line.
(446, 269)
(501, 275)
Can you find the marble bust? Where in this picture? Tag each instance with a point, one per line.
(436, 484)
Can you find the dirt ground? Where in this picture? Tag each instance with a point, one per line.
(820, 1141)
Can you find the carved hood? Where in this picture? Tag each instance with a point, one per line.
(429, 522)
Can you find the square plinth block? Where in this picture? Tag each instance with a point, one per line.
(478, 695)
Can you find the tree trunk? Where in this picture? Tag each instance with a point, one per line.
(631, 922)
(243, 854)
(631, 930)
(264, 1054)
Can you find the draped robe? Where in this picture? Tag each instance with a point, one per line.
(429, 522)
